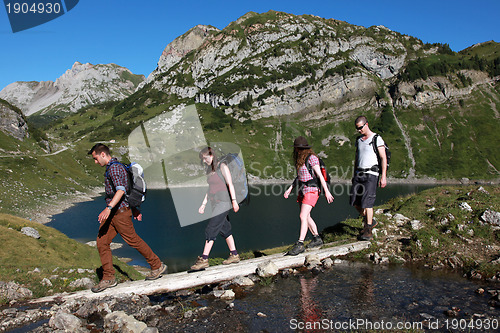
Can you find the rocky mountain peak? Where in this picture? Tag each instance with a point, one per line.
(179, 47)
(79, 86)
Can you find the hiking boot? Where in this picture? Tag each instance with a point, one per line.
(296, 249)
(200, 264)
(316, 242)
(367, 234)
(103, 285)
(232, 259)
(374, 223)
(368, 226)
(156, 273)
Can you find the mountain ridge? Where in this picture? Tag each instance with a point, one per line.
(79, 86)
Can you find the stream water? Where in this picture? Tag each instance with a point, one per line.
(357, 296)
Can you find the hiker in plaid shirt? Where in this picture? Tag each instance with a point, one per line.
(116, 218)
(308, 192)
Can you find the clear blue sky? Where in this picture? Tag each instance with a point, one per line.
(133, 34)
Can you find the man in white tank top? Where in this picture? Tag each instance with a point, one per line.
(366, 175)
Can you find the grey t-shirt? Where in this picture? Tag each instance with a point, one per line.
(366, 156)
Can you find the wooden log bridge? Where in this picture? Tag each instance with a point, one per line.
(213, 274)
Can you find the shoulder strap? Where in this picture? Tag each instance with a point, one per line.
(309, 167)
(106, 174)
(218, 170)
(374, 144)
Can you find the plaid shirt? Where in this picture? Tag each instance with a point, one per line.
(119, 176)
(304, 174)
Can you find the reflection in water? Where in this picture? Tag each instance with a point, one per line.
(310, 313)
(363, 291)
(366, 294)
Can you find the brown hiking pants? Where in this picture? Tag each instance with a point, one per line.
(121, 222)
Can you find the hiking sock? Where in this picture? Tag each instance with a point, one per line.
(234, 253)
(204, 256)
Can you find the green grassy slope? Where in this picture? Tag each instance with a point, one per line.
(54, 254)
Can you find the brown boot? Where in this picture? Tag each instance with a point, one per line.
(367, 234)
(232, 259)
(103, 285)
(156, 273)
(200, 264)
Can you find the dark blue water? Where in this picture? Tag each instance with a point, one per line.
(269, 221)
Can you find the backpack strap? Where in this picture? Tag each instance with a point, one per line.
(375, 149)
(374, 144)
(309, 167)
(106, 174)
(219, 171)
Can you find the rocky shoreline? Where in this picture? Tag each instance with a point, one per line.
(43, 214)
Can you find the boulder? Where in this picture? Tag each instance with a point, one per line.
(46, 282)
(266, 269)
(224, 294)
(465, 206)
(119, 321)
(242, 281)
(31, 232)
(13, 291)
(327, 263)
(311, 261)
(400, 219)
(66, 322)
(83, 282)
(416, 224)
(491, 217)
(482, 190)
(454, 262)
(97, 305)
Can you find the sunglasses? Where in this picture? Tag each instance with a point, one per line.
(360, 127)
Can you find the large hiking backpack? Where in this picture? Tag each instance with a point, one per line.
(375, 150)
(238, 175)
(136, 193)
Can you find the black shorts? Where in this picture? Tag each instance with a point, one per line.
(363, 190)
(219, 222)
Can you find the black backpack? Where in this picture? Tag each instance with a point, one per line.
(387, 153)
(136, 193)
(238, 175)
